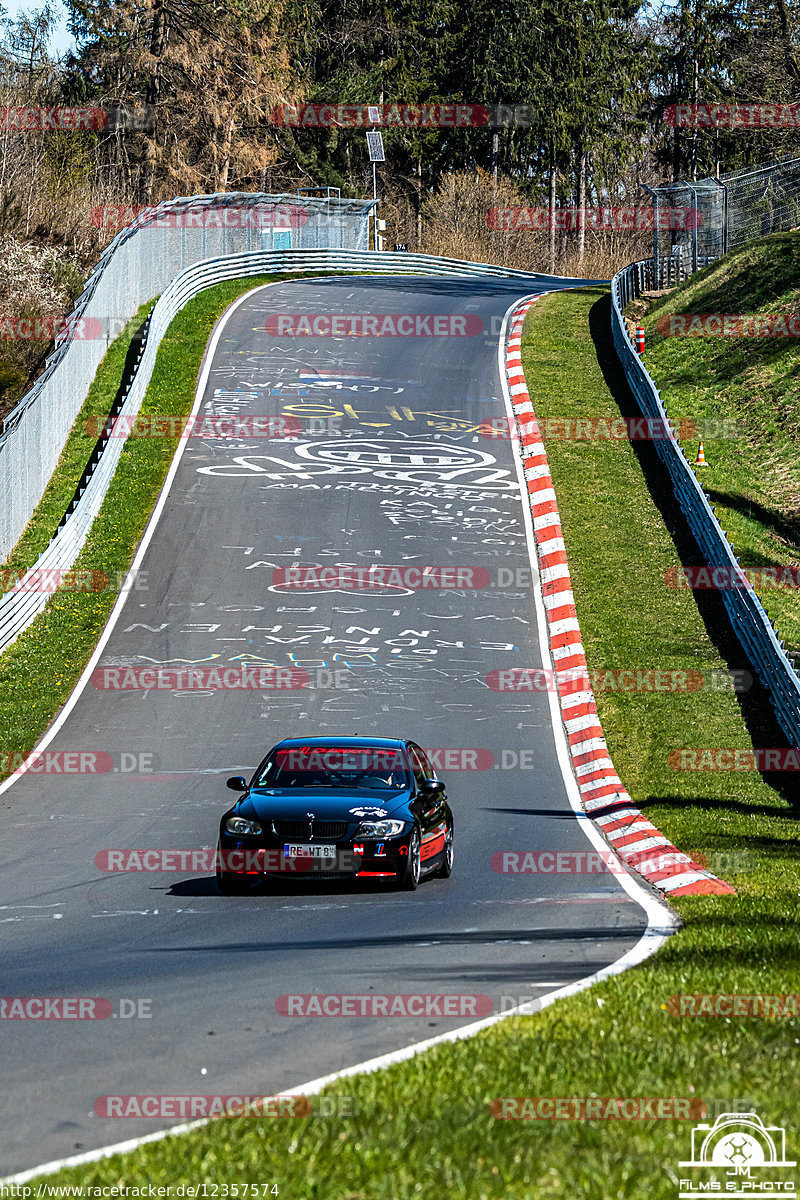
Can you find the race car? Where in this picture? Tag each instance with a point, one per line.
(370, 808)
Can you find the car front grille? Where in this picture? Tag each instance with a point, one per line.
(311, 831)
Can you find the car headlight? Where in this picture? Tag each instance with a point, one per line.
(239, 826)
(379, 829)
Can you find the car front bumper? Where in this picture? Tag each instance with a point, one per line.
(246, 857)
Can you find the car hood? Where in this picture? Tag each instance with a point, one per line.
(327, 804)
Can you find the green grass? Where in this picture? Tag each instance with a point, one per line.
(753, 478)
(423, 1128)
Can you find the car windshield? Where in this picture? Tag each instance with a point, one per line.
(335, 767)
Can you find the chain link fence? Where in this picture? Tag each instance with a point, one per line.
(721, 213)
(135, 267)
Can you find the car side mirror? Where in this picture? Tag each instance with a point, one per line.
(432, 787)
(237, 784)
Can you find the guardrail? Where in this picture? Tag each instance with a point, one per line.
(750, 621)
(19, 607)
(672, 269)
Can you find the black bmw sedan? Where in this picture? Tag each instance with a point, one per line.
(361, 807)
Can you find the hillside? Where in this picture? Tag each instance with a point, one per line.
(744, 395)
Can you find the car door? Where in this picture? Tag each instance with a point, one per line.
(430, 808)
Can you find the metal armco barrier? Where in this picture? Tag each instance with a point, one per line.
(750, 622)
(19, 607)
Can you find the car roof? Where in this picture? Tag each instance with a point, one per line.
(394, 743)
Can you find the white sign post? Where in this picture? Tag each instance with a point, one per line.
(376, 155)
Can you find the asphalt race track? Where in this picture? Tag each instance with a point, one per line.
(391, 468)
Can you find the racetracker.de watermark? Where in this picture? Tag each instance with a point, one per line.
(38, 118)
(374, 324)
(726, 758)
(199, 1107)
(49, 329)
(204, 1107)
(52, 579)
(624, 219)
(378, 578)
(722, 862)
(378, 758)
(769, 1006)
(723, 579)
(578, 862)
(187, 679)
(626, 679)
(77, 762)
(596, 1108)
(218, 216)
(443, 1004)
(594, 862)
(586, 429)
(213, 427)
(386, 577)
(73, 1008)
(732, 116)
(403, 116)
(735, 325)
(255, 861)
(222, 679)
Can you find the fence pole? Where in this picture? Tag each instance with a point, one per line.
(724, 188)
(652, 192)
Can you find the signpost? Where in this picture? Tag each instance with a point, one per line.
(376, 155)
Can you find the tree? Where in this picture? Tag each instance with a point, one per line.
(210, 71)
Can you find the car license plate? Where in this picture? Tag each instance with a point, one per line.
(304, 850)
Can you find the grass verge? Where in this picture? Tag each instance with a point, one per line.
(744, 392)
(423, 1128)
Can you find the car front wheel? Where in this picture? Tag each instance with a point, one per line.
(413, 863)
(229, 883)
